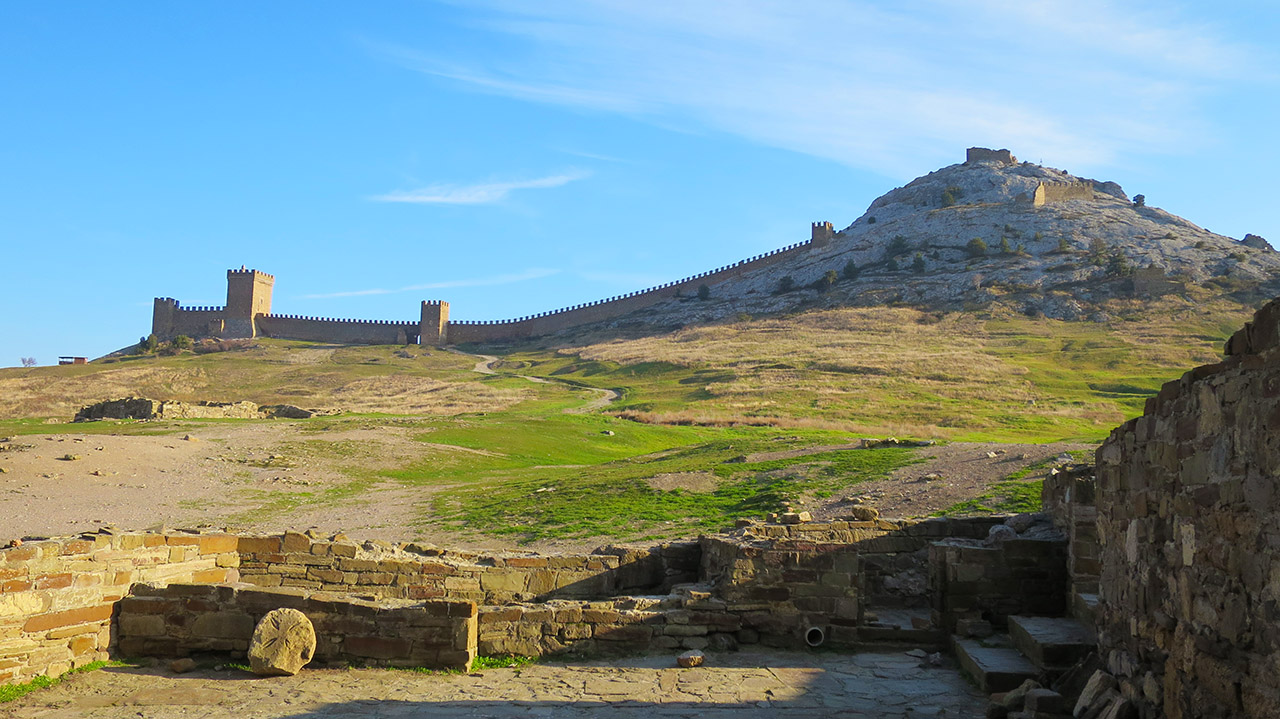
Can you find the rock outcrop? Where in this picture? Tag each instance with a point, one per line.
(1055, 244)
(142, 408)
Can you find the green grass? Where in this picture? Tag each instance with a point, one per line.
(10, 692)
(509, 661)
(959, 376)
(616, 499)
(1010, 496)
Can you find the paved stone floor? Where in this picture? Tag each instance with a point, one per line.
(888, 685)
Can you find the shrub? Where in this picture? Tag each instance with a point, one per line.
(1063, 245)
(826, 281)
(917, 263)
(892, 265)
(1005, 249)
(786, 284)
(148, 344)
(976, 247)
(28, 361)
(951, 195)
(1139, 200)
(851, 270)
(182, 342)
(897, 246)
(704, 293)
(871, 220)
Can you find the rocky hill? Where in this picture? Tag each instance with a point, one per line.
(992, 230)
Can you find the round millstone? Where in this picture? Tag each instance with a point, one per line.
(283, 642)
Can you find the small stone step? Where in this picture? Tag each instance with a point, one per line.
(1051, 642)
(1084, 606)
(993, 669)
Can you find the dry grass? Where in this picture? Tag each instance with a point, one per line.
(358, 379)
(904, 371)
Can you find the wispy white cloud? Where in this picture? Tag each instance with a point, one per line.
(529, 274)
(890, 87)
(477, 194)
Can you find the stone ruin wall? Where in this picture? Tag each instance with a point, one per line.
(67, 602)
(1189, 524)
(58, 596)
(983, 154)
(1049, 192)
(175, 620)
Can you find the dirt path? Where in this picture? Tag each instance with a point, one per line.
(607, 396)
(949, 474)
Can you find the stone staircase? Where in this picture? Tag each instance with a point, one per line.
(1040, 648)
(883, 627)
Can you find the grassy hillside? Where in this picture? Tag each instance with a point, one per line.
(395, 380)
(735, 419)
(958, 376)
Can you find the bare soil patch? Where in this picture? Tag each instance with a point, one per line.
(950, 474)
(696, 482)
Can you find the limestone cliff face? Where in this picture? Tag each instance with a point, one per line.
(1071, 243)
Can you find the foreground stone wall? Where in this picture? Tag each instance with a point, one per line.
(427, 572)
(1069, 496)
(180, 619)
(57, 596)
(1189, 524)
(992, 583)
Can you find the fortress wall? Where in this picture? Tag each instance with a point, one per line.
(170, 319)
(547, 323)
(983, 154)
(180, 619)
(318, 329)
(1189, 525)
(57, 596)
(1047, 192)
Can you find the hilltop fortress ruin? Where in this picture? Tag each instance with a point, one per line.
(247, 312)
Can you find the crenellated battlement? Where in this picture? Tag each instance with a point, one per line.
(248, 310)
(243, 271)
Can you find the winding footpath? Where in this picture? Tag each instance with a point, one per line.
(486, 363)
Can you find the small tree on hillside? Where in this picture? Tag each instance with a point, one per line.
(28, 361)
(917, 263)
(148, 344)
(1063, 245)
(851, 270)
(976, 247)
(1005, 249)
(826, 281)
(786, 284)
(704, 293)
(897, 246)
(1139, 200)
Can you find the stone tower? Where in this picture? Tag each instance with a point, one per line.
(822, 232)
(433, 328)
(248, 295)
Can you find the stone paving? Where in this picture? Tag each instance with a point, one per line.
(874, 685)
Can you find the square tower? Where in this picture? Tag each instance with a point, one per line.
(434, 326)
(248, 295)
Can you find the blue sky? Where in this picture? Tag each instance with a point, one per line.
(512, 157)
